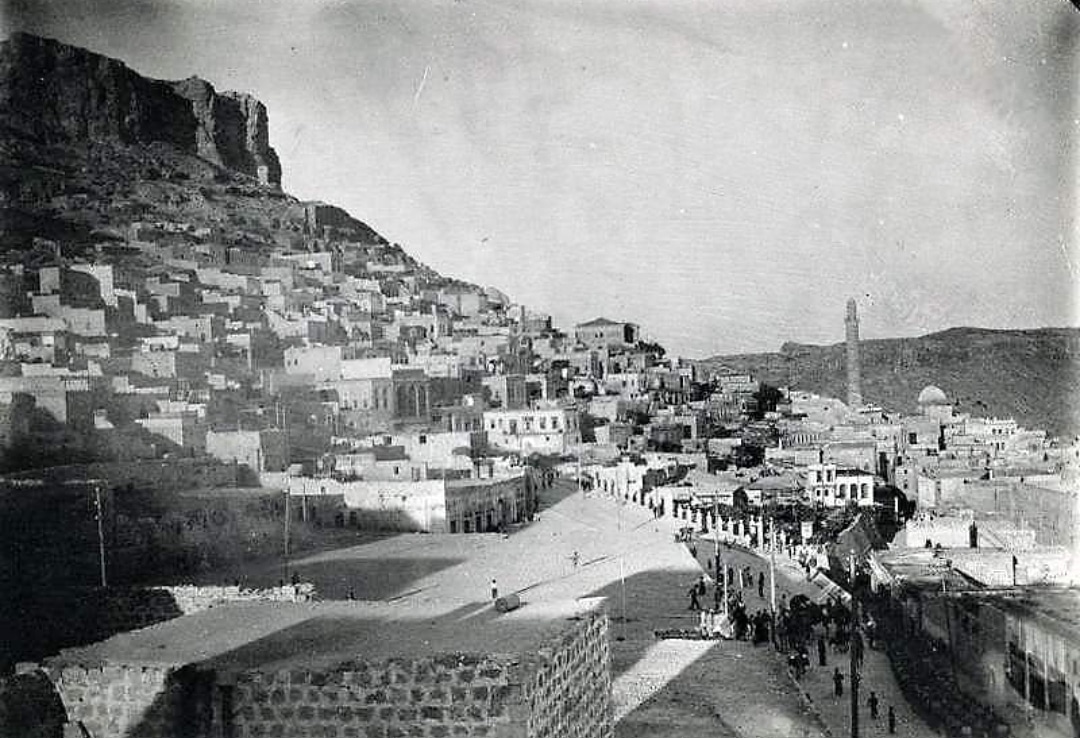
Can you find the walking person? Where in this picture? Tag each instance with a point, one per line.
(821, 650)
(872, 703)
(892, 720)
(838, 683)
(494, 590)
(761, 584)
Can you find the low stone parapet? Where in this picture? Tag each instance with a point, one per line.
(190, 598)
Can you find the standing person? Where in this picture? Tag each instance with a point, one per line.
(872, 703)
(761, 584)
(694, 604)
(892, 720)
(857, 645)
(821, 650)
(838, 683)
(693, 550)
(701, 586)
(494, 590)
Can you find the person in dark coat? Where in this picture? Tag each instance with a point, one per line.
(872, 703)
(821, 650)
(838, 683)
(761, 584)
(892, 720)
(857, 645)
(694, 604)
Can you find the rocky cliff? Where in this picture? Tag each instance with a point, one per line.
(51, 92)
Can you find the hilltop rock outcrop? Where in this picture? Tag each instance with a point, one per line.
(53, 92)
(231, 129)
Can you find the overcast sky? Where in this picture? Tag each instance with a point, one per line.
(726, 174)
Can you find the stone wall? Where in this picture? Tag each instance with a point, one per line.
(569, 695)
(134, 701)
(437, 696)
(563, 691)
(560, 690)
(190, 598)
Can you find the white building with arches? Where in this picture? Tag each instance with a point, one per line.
(831, 486)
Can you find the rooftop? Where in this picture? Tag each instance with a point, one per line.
(1056, 609)
(597, 322)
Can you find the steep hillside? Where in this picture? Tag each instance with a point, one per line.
(1032, 375)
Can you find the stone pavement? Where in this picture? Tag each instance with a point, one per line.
(877, 676)
(817, 684)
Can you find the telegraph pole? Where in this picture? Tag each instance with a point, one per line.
(855, 666)
(721, 571)
(100, 532)
(772, 568)
(288, 495)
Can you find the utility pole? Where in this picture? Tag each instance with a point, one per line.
(721, 570)
(772, 570)
(288, 495)
(100, 532)
(622, 587)
(855, 667)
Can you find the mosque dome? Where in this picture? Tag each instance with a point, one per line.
(932, 395)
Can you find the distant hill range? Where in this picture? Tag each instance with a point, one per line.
(1031, 375)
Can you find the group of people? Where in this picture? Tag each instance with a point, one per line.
(731, 621)
(798, 623)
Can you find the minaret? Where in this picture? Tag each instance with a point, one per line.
(854, 386)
